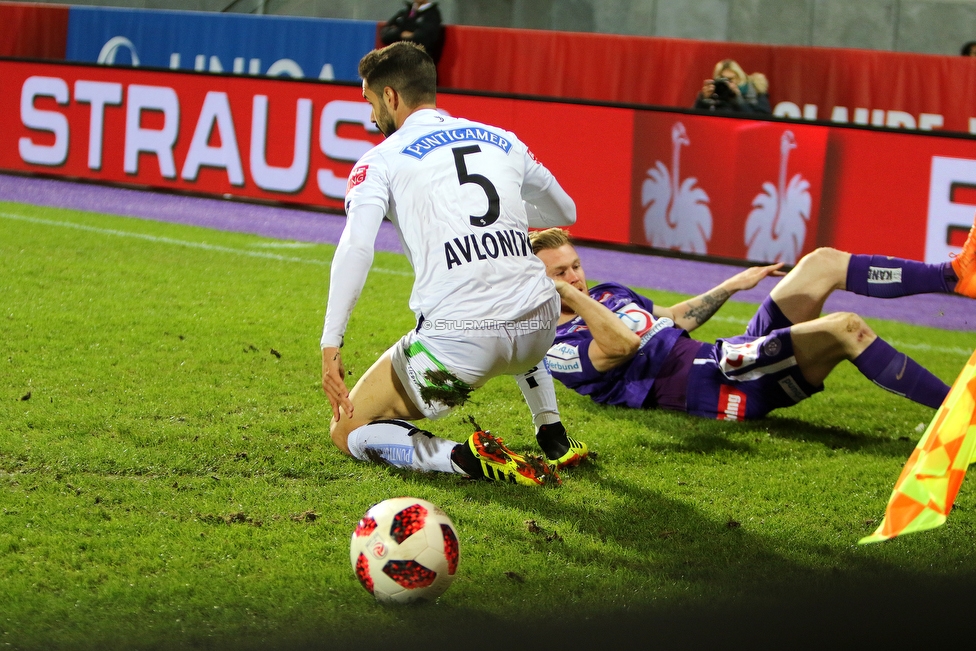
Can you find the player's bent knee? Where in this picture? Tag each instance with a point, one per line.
(852, 331)
(822, 261)
(857, 325)
(810, 259)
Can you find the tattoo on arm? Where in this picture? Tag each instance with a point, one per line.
(708, 306)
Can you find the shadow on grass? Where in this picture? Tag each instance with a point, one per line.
(741, 590)
(896, 612)
(700, 435)
(837, 438)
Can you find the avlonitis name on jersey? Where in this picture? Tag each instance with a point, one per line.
(490, 245)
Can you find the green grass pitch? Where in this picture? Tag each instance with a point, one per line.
(167, 480)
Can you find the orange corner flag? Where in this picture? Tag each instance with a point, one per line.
(930, 480)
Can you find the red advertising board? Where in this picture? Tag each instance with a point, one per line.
(243, 136)
(759, 190)
(735, 188)
(846, 85)
(903, 194)
(743, 189)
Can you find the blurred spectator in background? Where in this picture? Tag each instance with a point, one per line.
(419, 22)
(969, 49)
(731, 89)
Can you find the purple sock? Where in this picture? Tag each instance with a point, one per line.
(883, 277)
(899, 373)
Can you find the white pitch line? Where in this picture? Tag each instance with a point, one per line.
(284, 258)
(283, 245)
(935, 349)
(192, 245)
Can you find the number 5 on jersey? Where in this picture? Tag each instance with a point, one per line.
(494, 204)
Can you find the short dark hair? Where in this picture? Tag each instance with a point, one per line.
(967, 47)
(406, 68)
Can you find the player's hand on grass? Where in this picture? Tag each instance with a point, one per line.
(333, 382)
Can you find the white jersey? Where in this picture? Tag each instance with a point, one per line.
(456, 191)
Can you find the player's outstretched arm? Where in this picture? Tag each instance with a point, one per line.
(695, 311)
(350, 266)
(613, 342)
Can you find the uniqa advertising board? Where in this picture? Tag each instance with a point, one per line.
(726, 187)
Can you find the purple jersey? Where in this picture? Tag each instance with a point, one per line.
(628, 384)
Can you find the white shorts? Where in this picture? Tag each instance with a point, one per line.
(439, 368)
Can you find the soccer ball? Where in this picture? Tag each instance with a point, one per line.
(403, 550)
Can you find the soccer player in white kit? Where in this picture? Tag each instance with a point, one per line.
(462, 196)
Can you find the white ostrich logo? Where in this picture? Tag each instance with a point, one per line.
(676, 214)
(777, 225)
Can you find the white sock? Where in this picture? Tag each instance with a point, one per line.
(402, 445)
(540, 395)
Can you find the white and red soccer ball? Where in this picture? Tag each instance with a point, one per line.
(404, 549)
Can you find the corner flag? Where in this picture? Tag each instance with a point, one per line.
(930, 480)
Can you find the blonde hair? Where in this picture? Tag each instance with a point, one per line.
(757, 79)
(551, 238)
(730, 64)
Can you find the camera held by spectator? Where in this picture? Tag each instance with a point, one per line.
(722, 89)
(731, 89)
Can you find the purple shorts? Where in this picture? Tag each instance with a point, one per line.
(750, 375)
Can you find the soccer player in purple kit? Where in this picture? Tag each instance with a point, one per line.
(619, 348)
